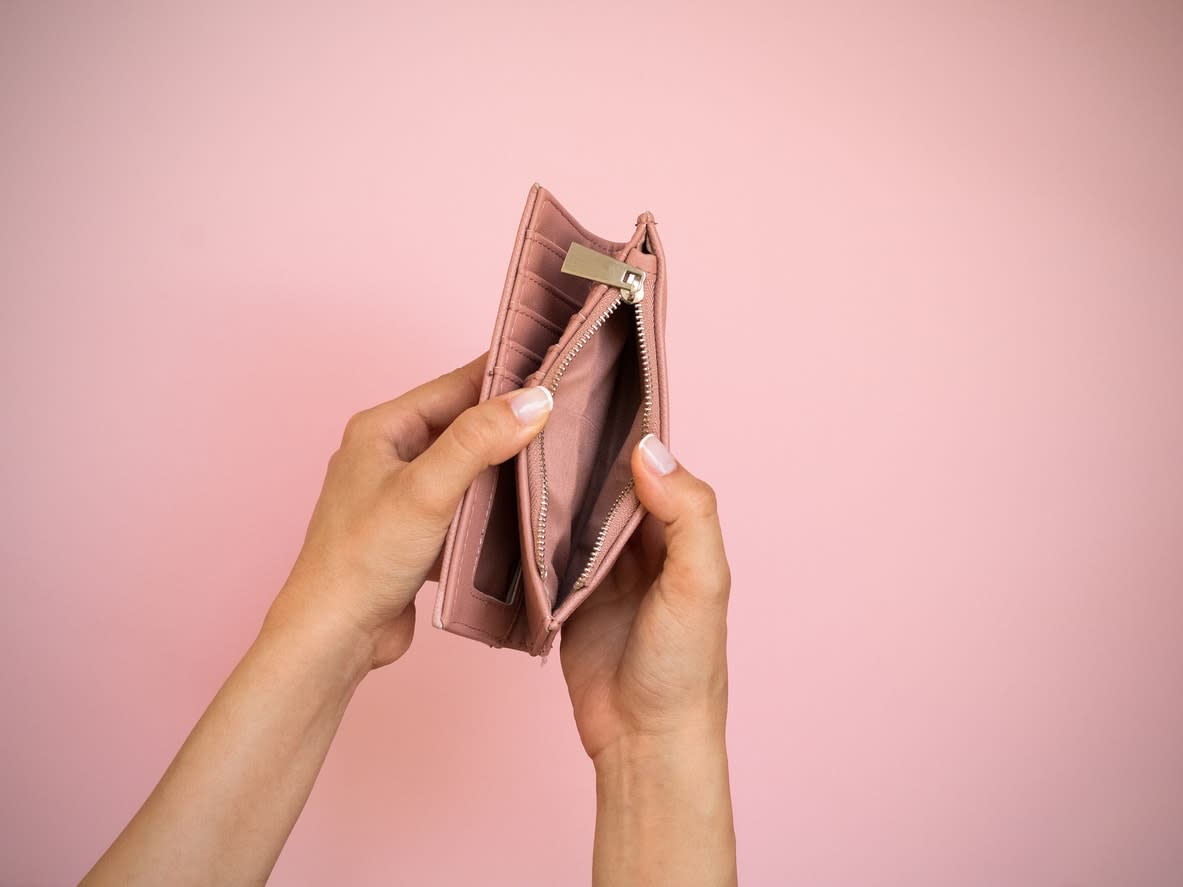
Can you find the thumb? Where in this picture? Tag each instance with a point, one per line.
(695, 562)
(483, 435)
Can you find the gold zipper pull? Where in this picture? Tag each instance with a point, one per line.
(591, 265)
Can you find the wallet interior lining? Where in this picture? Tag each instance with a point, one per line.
(609, 469)
(590, 434)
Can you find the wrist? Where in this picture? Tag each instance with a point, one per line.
(321, 637)
(663, 810)
(638, 754)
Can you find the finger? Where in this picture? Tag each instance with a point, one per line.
(414, 418)
(484, 435)
(695, 563)
(437, 403)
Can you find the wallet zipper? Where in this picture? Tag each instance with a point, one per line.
(630, 281)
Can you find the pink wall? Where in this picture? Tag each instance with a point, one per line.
(926, 340)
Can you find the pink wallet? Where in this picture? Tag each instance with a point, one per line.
(534, 536)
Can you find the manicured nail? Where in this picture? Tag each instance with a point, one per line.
(657, 457)
(531, 404)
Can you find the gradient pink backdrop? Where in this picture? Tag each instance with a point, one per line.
(926, 339)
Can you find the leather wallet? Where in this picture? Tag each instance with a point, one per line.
(534, 536)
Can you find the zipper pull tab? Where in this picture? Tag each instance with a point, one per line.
(591, 265)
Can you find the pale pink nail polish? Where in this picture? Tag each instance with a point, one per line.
(656, 457)
(531, 404)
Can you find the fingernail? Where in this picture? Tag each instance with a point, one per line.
(531, 404)
(657, 457)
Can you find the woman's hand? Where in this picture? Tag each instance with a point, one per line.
(388, 498)
(645, 656)
(224, 808)
(645, 659)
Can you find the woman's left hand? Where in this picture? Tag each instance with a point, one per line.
(389, 495)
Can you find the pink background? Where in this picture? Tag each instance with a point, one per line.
(926, 339)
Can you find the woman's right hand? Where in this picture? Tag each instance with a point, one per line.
(645, 658)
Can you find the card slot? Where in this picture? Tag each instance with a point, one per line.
(547, 244)
(558, 312)
(506, 373)
(572, 302)
(545, 322)
(498, 562)
(531, 335)
(521, 349)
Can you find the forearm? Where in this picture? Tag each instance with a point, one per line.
(226, 804)
(663, 813)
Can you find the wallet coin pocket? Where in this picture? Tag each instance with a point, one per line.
(600, 375)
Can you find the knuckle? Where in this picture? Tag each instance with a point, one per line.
(708, 574)
(701, 499)
(417, 491)
(357, 428)
(339, 463)
(472, 435)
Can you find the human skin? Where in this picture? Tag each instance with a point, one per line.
(645, 659)
(649, 697)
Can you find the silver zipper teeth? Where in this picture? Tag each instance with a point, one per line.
(544, 499)
(544, 503)
(601, 537)
(643, 355)
(646, 417)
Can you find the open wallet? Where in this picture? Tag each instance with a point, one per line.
(534, 536)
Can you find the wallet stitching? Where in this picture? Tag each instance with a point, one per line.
(571, 301)
(546, 244)
(508, 374)
(539, 319)
(478, 630)
(500, 639)
(523, 350)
